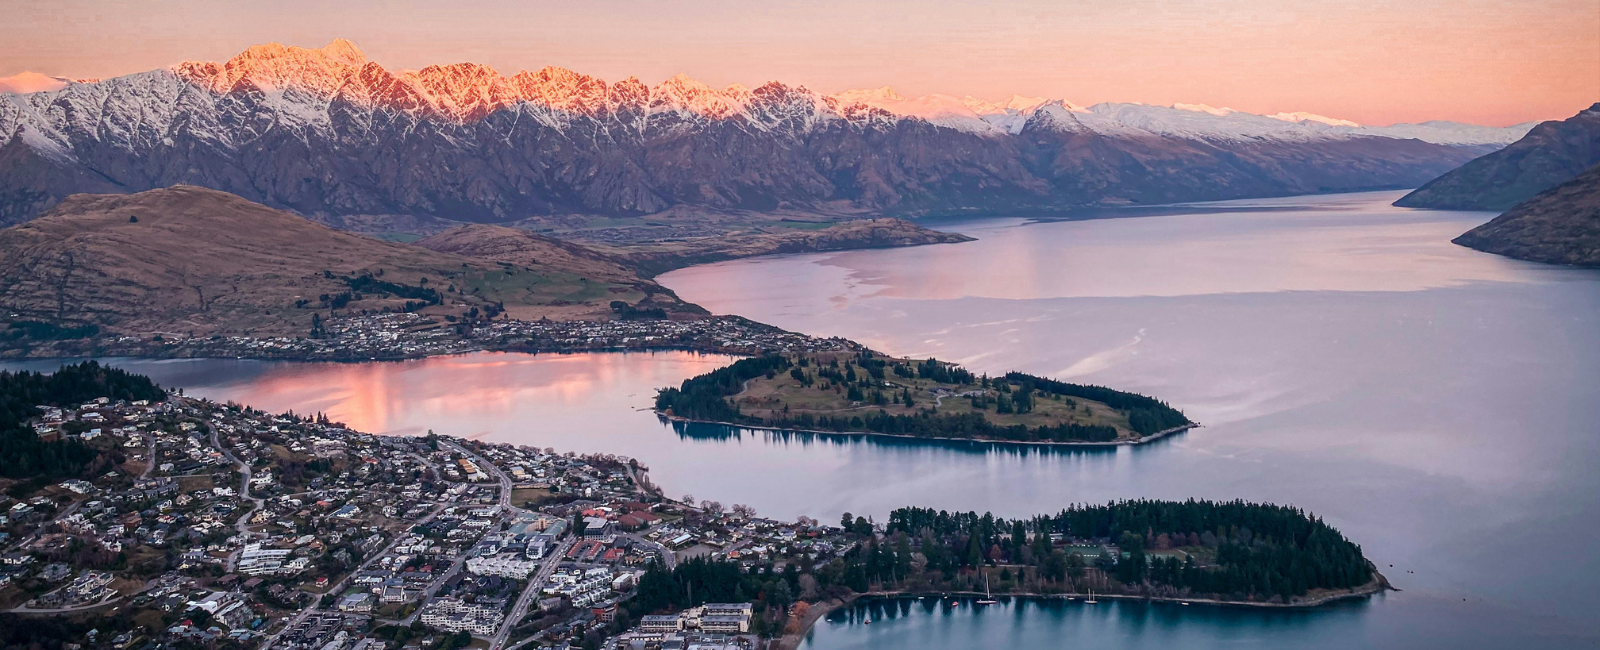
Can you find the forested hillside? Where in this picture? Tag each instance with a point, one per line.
(1228, 550)
(22, 453)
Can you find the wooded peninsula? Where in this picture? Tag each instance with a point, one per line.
(864, 392)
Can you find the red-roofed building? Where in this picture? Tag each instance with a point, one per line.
(637, 520)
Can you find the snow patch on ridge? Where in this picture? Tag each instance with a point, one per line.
(1302, 116)
(303, 86)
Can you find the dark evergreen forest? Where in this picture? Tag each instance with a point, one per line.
(22, 453)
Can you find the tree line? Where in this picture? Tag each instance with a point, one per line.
(1146, 415)
(1253, 551)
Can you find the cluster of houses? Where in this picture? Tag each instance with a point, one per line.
(413, 335)
(88, 588)
(308, 535)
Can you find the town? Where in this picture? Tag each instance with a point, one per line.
(401, 335)
(221, 524)
(155, 521)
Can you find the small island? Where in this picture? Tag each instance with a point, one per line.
(865, 392)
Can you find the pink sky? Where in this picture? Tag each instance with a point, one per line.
(1494, 62)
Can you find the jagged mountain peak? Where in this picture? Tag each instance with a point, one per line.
(273, 66)
(328, 132)
(467, 91)
(1054, 116)
(685, 95)
(343, 50)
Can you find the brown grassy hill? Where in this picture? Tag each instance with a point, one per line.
(556, 258)
(192, 260)
(1559, 226)
(1548, 155)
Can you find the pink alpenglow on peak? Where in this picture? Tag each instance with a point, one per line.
(23, 83)
(306, 85)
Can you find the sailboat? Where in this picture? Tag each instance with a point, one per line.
(1091, 599)
(987, 599)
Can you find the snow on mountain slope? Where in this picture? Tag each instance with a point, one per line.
(1451, 133)
(940, 110)
(300, 83)
(328, 131)
(1302, 116)
(1194, 122)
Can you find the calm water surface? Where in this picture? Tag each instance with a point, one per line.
(1440, 406)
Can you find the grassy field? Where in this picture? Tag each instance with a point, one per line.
(524, 287)
(764, 397)
(192, 483)
(805, 225)
(520, 496)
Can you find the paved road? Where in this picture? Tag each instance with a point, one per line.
(149, 453)
(245, 473)
(484, 464)
(433, 587)
(528, 595)
(60, 516)
(24, 609)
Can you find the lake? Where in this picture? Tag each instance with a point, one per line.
(1438, 405)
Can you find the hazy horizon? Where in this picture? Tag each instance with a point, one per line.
(1369, 61)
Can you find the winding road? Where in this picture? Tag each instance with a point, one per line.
(243, 525)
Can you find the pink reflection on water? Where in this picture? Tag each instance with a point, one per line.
(477, 395)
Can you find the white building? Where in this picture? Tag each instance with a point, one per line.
(503, 566)
(255, 560)
(452, 615)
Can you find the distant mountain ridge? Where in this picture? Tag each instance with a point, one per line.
(1550, 154)
(329, 134)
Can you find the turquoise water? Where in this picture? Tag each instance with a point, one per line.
(1439, 405)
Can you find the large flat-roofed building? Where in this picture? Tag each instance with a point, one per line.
(659, 624)
(729, 609)
(725, 624)
(453, 615)
(715, 618)
(505, 567)
(255, 560)
(598, 527)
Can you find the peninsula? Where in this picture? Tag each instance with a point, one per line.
(136, 516)
(864, 392)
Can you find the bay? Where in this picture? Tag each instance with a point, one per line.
(1439, 405)
(1436, 404)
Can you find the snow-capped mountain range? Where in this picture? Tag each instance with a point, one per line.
(328, 132)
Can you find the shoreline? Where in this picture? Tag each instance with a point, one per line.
(616, 349)
(1110, 444)
(820, 610)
